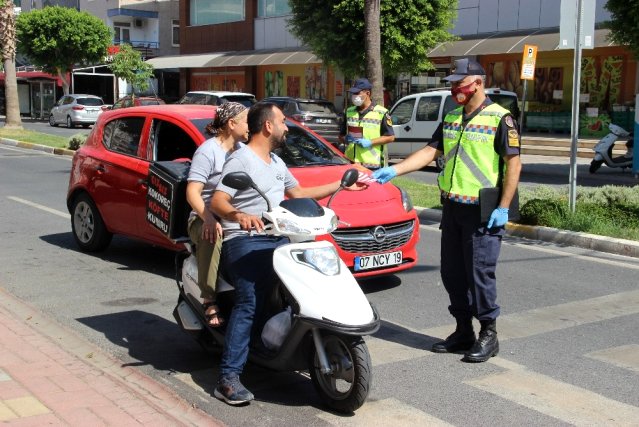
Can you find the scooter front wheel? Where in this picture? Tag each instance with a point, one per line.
(346, 387)
(595, 165)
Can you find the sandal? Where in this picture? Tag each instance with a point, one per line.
(212, 314)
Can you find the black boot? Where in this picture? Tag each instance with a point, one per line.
(486, 345)
(461, 340)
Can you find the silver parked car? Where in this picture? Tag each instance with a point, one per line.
(76, 109)
(205, 97)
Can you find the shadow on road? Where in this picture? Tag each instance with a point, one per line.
(129, 254)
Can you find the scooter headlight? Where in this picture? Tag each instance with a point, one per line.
(324, 260)
(291, 227)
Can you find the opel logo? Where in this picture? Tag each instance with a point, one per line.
(379, 234)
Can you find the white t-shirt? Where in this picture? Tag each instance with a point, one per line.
(273, 179)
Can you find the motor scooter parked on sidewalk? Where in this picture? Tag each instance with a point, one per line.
(316, 295)
(603, 150)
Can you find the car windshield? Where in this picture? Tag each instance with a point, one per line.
(303, 149)
(247, 101)
(317, 107)
(509, 102)
(90, 101)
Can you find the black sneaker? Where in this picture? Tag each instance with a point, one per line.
(230, 389)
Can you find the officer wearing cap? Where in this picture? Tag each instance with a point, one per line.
(367, 127)
(480, 142)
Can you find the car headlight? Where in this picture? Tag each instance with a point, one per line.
(324, 260)
(291, 226)
(406, 201)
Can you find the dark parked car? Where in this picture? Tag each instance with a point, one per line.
(108, 186)
(319, 115)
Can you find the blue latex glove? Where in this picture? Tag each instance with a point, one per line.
(498, 218)
(366, 143)
(384, 175)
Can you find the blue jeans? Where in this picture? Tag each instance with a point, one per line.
(248, 261)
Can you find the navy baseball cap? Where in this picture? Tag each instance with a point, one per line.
(360, 85)
(465, 67)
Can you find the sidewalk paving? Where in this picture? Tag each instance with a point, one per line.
(51, 376)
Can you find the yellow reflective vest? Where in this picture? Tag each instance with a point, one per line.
(371, 125)
(471, 160)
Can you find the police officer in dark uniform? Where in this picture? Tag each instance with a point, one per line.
(481, 144)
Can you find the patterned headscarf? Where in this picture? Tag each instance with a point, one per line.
(224, 113)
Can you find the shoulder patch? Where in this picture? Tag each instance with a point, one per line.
(509, 121)
(513, 138)
(388, 119)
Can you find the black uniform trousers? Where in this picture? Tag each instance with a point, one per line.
(469, 253)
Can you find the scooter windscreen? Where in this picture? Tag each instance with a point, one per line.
(305, 208)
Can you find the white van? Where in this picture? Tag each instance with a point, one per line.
(416, 117)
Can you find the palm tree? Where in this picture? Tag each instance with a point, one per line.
(373, 48)
(8, 55)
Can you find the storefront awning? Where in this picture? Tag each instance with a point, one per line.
(236, 59)
(509, 42)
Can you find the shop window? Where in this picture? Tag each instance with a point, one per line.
(207, 12)
(266, 8)
(176, 33)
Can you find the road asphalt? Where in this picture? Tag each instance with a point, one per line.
(49, 375)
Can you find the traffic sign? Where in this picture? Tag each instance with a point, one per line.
(528, 62)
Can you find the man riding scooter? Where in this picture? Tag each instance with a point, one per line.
(247, 252)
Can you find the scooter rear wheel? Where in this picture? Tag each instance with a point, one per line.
(346, 387)
(595, 165)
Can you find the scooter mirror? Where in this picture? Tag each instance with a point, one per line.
(349, 178)
(238, 181)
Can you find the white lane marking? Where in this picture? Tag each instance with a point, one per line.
(553, 318)
(625, 356)
(563, 401)
(384, 351)
(41, 207)
(384, 413)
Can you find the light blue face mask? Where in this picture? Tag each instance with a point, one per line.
(357, 100)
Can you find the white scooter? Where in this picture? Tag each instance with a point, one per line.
(317, 296)
(603, 150)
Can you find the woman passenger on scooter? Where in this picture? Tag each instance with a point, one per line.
(229, 129)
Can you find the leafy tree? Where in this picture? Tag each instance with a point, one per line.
(8, 56)
(56, 38)
(623, 23)
(335, 31)
(128, 65)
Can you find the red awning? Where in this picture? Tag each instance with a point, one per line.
(34, 75)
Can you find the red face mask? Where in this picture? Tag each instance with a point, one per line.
(462, 94)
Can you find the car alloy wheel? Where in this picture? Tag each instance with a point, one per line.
(89, 230)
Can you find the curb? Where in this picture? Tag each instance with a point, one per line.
(159, 396)
(38, 147)
(553, 235)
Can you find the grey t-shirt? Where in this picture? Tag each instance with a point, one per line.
(273, 179)
(206, 167)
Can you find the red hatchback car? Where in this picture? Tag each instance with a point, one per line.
(378, 230)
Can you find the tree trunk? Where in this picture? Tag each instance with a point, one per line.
(373, 49)
(11, 95)
(65, 82)
(8, 54)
